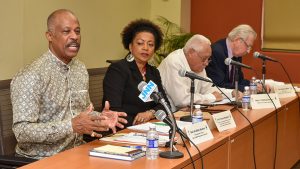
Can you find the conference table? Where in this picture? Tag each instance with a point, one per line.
(230, 149)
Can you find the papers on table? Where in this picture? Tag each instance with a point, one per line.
(134, 138)
(160, 126)
(224, 101)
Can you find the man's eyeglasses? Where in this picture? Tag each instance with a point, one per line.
(249, 47)
(206, 60)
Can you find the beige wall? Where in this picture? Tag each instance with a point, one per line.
(11, 41)
(177, 11)
(23, 25)
(166, 8)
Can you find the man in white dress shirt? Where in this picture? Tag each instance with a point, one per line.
(194, 57)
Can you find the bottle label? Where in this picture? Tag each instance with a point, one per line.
(246, 99)
(253, 86)
(196, 119)
(152, 143)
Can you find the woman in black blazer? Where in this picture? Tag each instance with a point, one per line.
(142, 38)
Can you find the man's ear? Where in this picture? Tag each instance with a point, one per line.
(191, 52)
(49, 36)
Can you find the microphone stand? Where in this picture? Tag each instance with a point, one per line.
(189, 118)
(170, 154)
(236, 103)
(264, 74)
(236, 83)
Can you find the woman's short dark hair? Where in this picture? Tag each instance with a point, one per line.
(141, 25)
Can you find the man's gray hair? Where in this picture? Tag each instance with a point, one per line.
(241, 31)
(196, 42)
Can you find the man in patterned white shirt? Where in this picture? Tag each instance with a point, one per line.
(51, 105)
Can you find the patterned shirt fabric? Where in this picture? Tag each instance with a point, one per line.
(45, 96)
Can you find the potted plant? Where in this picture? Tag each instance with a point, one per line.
(174, 38)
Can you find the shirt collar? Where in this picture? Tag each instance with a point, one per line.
(184, 60)
(60, 63)
(228, 43)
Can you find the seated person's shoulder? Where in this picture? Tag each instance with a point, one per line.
(119, 64)
(119, 67)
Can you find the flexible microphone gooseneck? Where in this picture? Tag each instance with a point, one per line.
(191, 75)
(161, 115)
(263, 57)
(229, 61)
(158, 98)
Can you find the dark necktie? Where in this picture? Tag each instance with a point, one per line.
(232, 71)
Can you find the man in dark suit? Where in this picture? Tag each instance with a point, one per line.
(238, 43)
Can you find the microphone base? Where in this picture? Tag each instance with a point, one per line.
(171, 154)
(186, 118)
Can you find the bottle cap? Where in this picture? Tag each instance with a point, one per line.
(246, 87)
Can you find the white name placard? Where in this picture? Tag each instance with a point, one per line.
(199, 132)
(284, 91)
(262, 101)
(224, 120)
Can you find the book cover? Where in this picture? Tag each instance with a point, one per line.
(117, 152)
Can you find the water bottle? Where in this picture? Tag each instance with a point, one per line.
(246, 99)
(197, 115)
(253, 86)
(152, 143)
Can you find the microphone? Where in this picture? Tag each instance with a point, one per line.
(229, 61)
(148, 90)
(191, 75)
(162, 116)
(263, 57)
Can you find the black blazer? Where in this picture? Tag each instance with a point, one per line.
(120, 86)
(219, 72)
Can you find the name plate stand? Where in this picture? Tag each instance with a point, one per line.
(262, 101)
(284, 91)
(199, 132)
(224, 120)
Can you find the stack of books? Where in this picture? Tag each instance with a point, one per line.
(117, 152)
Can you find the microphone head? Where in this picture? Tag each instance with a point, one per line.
(141, 85)
(227, 61)
(182, 72)
(160, 115)
(256, 54)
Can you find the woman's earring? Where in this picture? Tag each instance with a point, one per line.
(129, 57)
